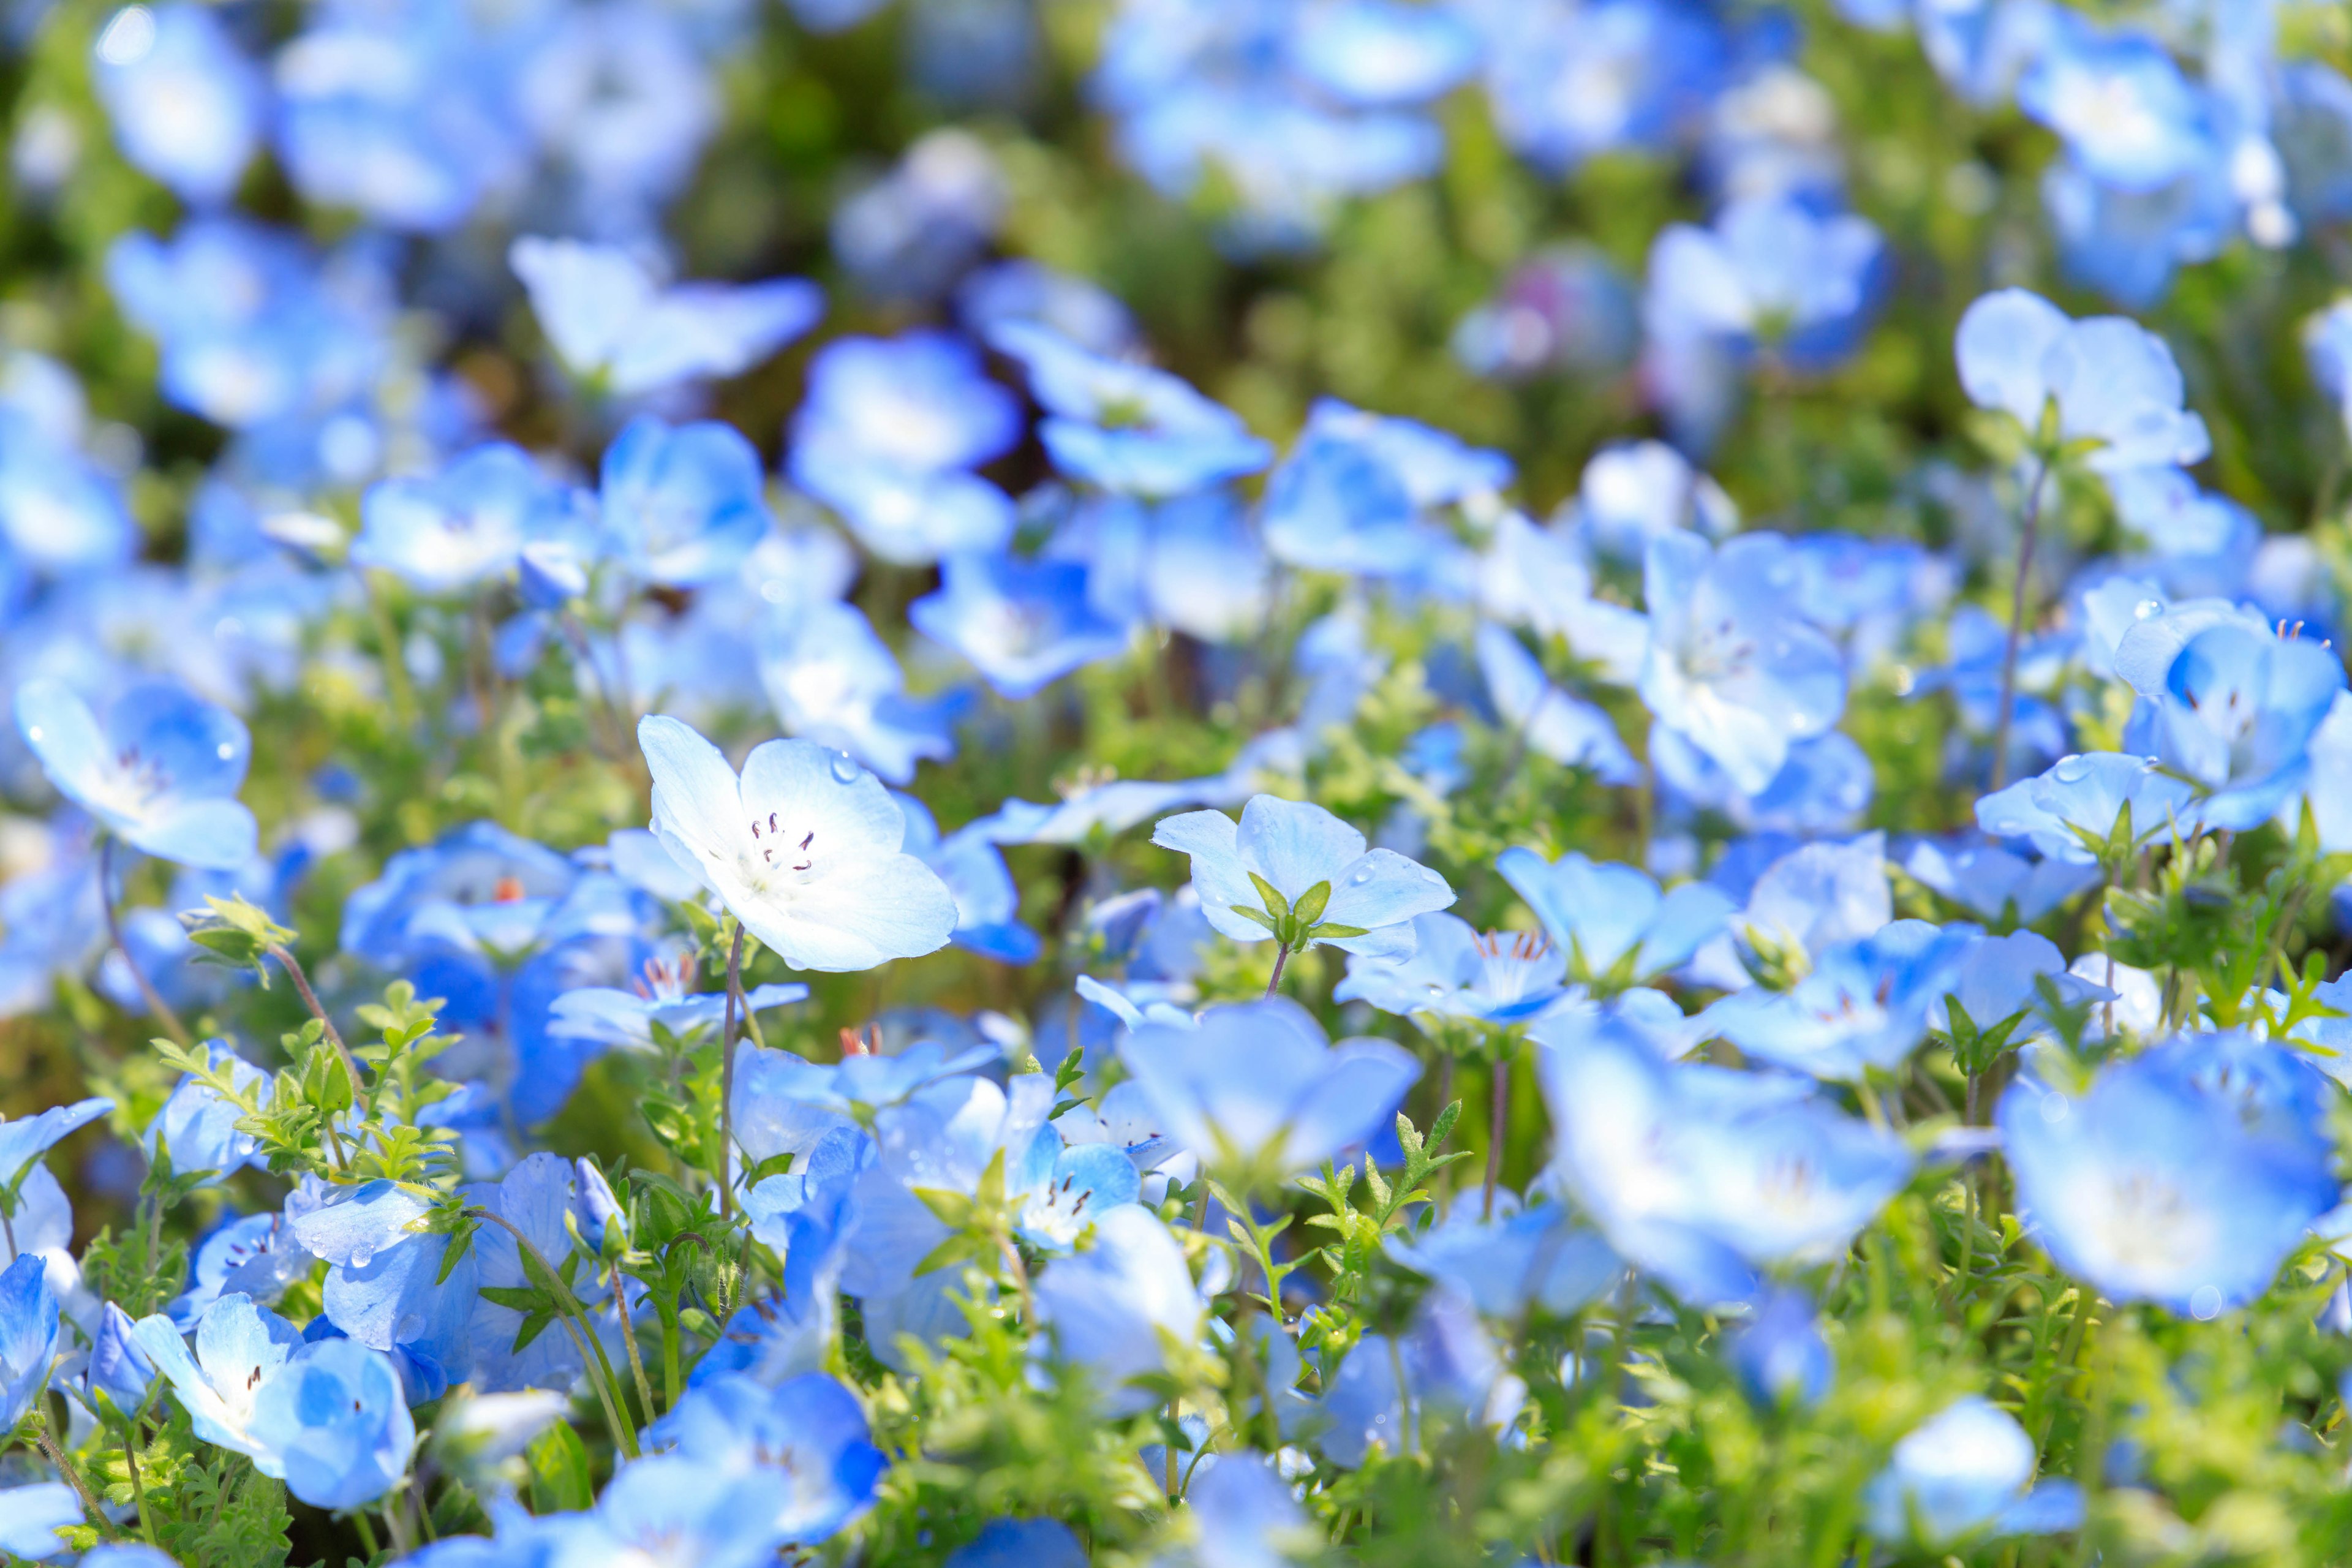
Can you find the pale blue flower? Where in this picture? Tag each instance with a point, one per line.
(683, 506)
(1320, 872)
(469, 524)
(805, 848)
(1127, 426)
(239, 1347)
(197, 1125)
(1567, 729)
(1255, 1085)
(2114, 382)
(1779, 1353)
(1862, 1005)
(832, 679)
(615, 327)
(1022, 624)
(1968, 1470)
(1609, 919)
(28, 1334)
(1452, 972)
(1112, 1308)
(332, 1421)
(2072, 812)
(162, 774)
(1732, 665)
(32, 1516)
(187, 103)
(804, 1442)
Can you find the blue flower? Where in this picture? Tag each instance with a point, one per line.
(1733, 666)
(805, 848)
(887, 436)
(57, 512)
(1612, 921)
(2114, 382)
(1020, 1543)
(1779, 1353)
(542, 1197)
(615, 326)
(1127, 426)
(1698, 1174)
(2129, 117)
(1863, 1004)
(197, 1126)
(1361, 493)
(1452, 972)
(335, 1424)
(2235, 709)
(1771, 274)
(1374, 54)
(1293, 871)
(1523, 1257)
(667, 1507)
(118, 1368)
(662, 997)
(1112, 1308)
(1547, 720)
(1022, 624)
(31, 1518)
(988, 901)
(1993, 884)
(162, 775)
(804, 1442)
(832, 679)
(28, 1334)
(909, 234)
(469, 524)
(239, 1347)
(187, 103)
(1967, 1469)
(682, 506)
(2073, 813)
(2155, 1187)
(1255, 1086)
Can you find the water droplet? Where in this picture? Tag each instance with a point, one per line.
(1359, 876)
(362, 1256)
(225, 751)
(34, 733)
(2206, 1302)
(2055, 1108)
(844, 768)
(2071, 769)
(2145, 608)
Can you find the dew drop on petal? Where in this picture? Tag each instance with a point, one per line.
(2071, 769)
(2206, 1302)
(2055, 1108)
(225, 751)
(844, 768)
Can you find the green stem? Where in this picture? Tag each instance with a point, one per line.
(727, 1076)
(1281, 957)
(160, 1009)
(629, 1339)
(55, 1456)
(583, 1336)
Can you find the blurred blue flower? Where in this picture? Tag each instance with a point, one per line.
(2114, 382)
(1779, 1353)
(684, 506)
(1452, 972)
(1020, 1543)
(988, 901)
(186, 102)
(832, 679)
(162, 774)
(1127, 426)
(804, 1442)
(1361, 493)
(470, 522)
(1966, 1471)
(911, 234)
(59, 513)
(1769, 277)
(28, 1334)
(1612, 921)
(1732, 665)
(1256, 1086)
(2129, 117)
(1022, 624)
(32, 1518)
(618, 330)
(1114, 1308)
(1862, 1005)
(2152, 1185)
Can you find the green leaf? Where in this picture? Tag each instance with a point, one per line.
(561, 1480)
(1276, 904)
(1310, 904)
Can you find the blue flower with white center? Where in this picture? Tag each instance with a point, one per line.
(470, 522)
(2154, 1183)
(187, 103)
(806, 848)
(1127, 426)
(1545, 718)
(197, 1126)
(1699, 1176)
(1612, 922)
(1292, 871)
(2076, 813)
(685, 506)
(805, 1442)
(1022, 624)
(888, 434)
(615, 328)
(1967, 1471)
(2129, 117)
(1453, 972)
(1732, 664)
(28, 1334)
(1771, 274)
(2112, 384)
(332, 1421)
(1255, 1087)
(161, 774)
(253, 1255)
(239, 1347)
